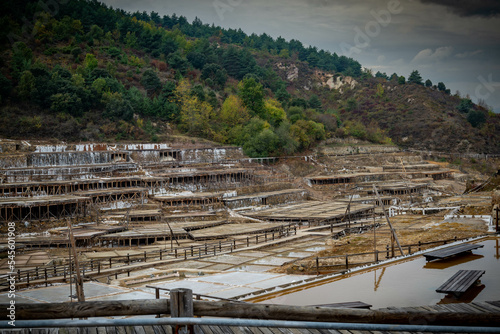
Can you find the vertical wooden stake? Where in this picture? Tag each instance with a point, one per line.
(181, 306)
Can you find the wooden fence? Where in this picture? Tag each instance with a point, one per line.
(93, 268)
(347, 261)
(181, 299)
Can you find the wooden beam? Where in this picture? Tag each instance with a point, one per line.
(388, 221)
(31, 311)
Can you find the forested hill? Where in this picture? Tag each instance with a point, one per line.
(82, 71)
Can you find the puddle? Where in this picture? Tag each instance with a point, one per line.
(315, 249)
(411, 282)
(296, 254)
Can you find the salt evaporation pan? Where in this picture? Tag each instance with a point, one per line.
(50, 148)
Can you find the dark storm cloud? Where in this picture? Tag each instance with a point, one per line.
(483, 8)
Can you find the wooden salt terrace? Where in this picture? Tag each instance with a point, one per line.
(143, 235)
(266, 198)
(218, 176)
(101, 196)
(400, 188)
(42, 208)
(197, 225)
(49, 173)
(233, 229)
(188, 216)
(84, 236)
(314, 212)
(136, 215)
(386, 200)
(349, 178)
(52, 188)
(203, 199)
(375, 177)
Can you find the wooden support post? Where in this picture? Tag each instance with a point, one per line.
(317, 265)
(181, 306)
(346, 261)
(145, 257)
(497, 209)
(45, 274)
(160, 255)
(393, 231)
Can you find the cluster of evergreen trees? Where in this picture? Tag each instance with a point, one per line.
(70, 64)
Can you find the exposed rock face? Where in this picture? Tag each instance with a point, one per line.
(292, 71)
(339, 82)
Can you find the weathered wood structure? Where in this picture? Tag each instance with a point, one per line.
(447, 252)
(460, 282)
(42, 208)
(314, 212)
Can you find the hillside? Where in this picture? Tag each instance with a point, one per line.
(90, 72)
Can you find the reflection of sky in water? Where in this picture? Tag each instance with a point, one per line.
(410, 283)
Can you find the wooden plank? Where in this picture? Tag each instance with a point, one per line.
(254, 330)
(101, 330)
(355, 304)
(460, 282)
(129, 329)
(227, 330)
(238, 329)
(216, 329)
(206, 329)
(120, 330)
(450, 251)
(275, 330)
(494, 308)
(139, 330)
(112, 330)
(265, 330)
(494, 303)
(285, 330)
(148, 330)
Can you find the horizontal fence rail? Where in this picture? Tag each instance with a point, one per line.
(247, 311)
(95, 268)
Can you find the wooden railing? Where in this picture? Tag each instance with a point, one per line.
(181, 299)
(347, 261)
(94, 268)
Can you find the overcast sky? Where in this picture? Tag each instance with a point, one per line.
(453, 41)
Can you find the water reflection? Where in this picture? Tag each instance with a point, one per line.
(451, 262)
(467, 297)
(411, 282)
(376, 283)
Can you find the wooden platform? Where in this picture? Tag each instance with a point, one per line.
(460, 282)
(356, 304)
(450, 251)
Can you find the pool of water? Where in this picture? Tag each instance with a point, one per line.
(411, 282)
